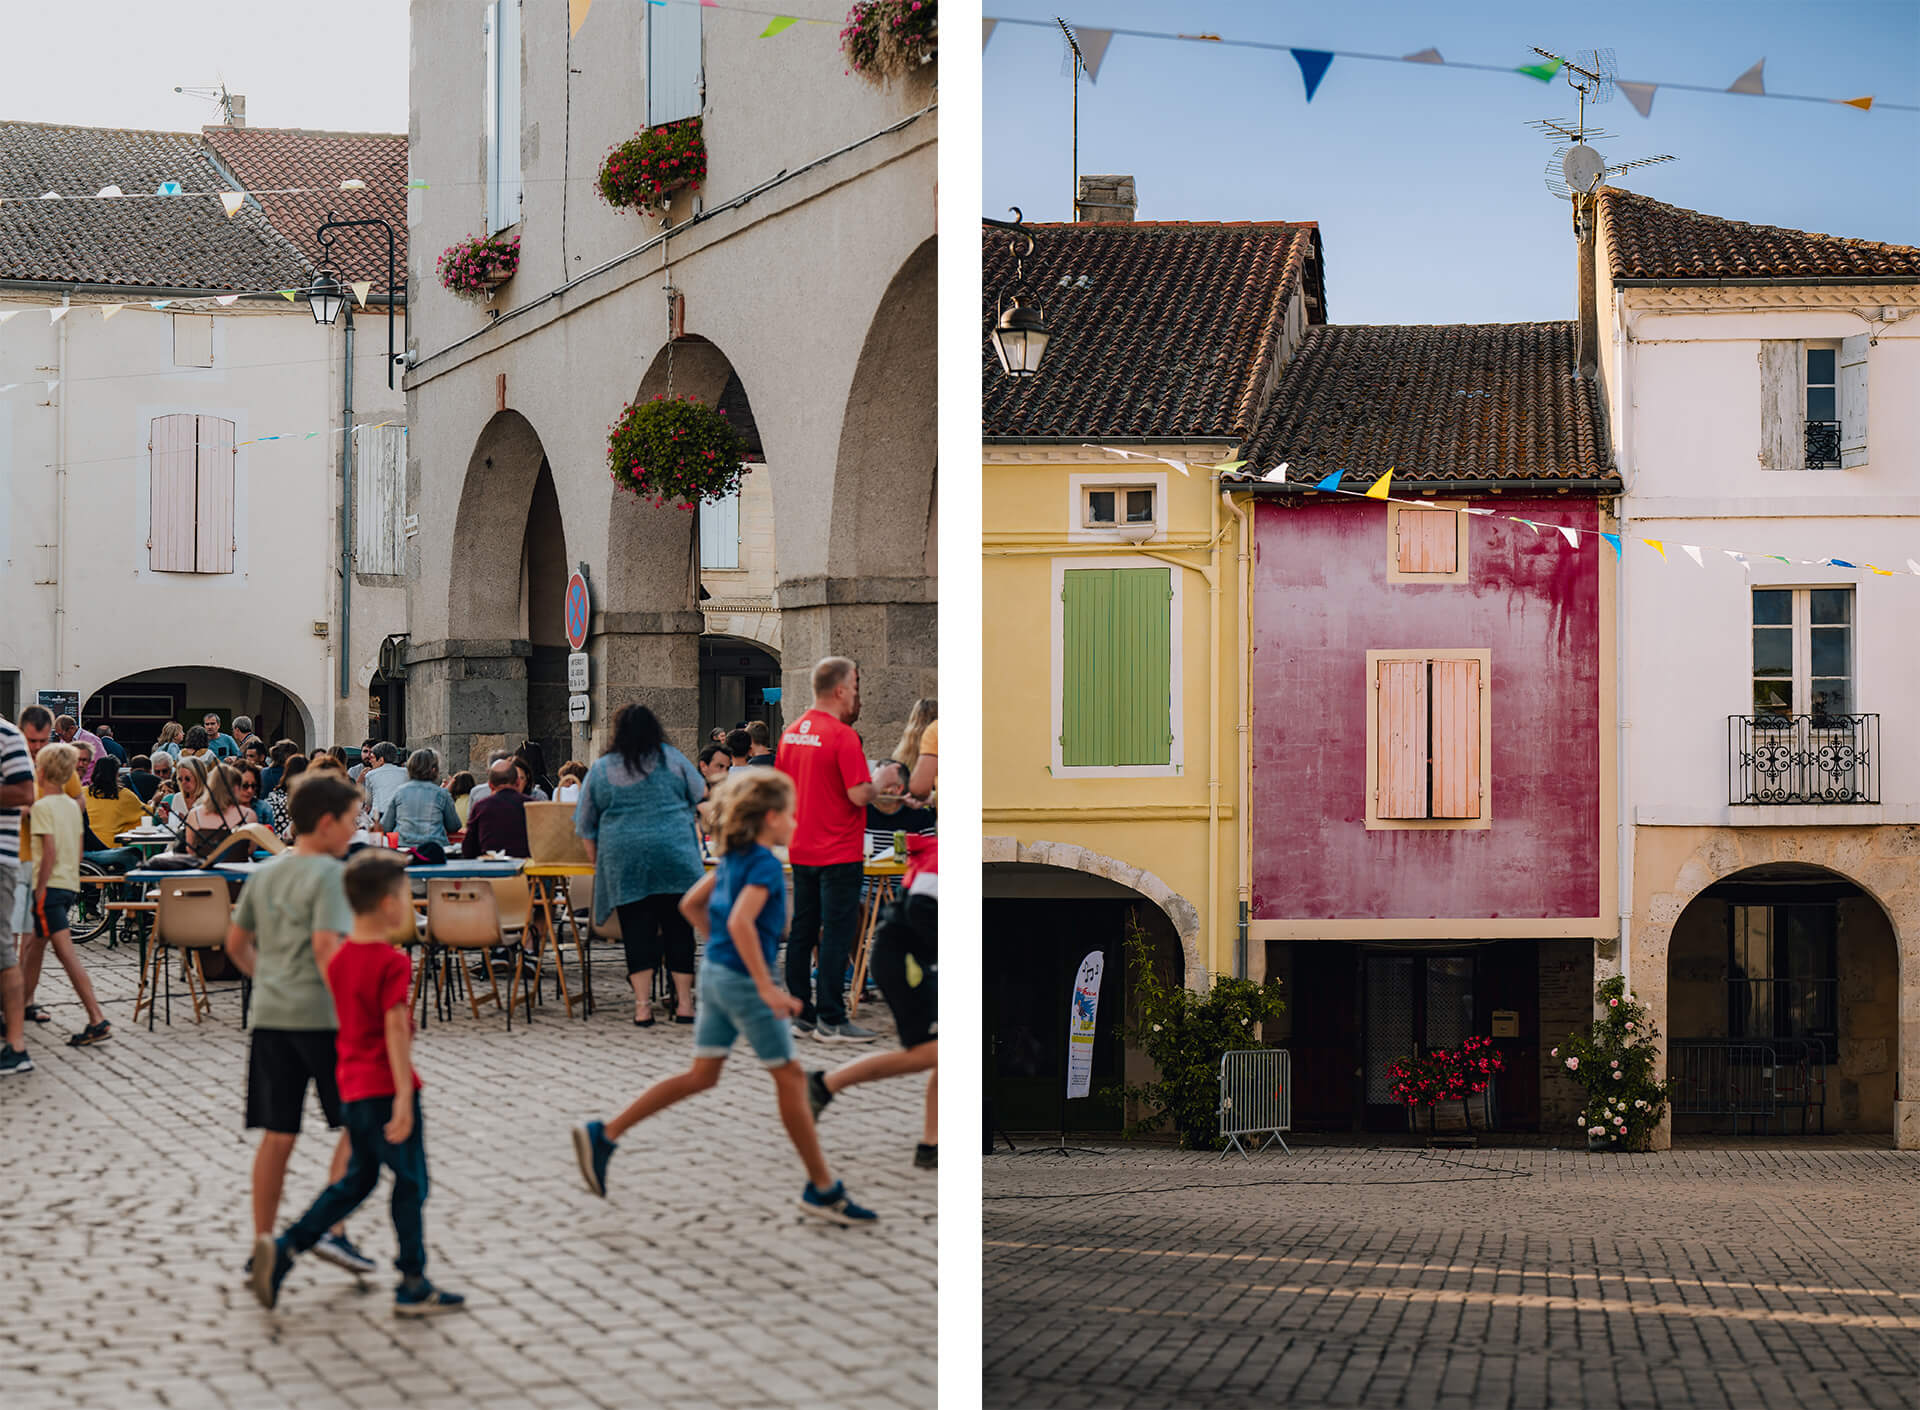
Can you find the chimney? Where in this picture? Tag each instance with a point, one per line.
(1585, 218)
(236, 110)
(1105, 199)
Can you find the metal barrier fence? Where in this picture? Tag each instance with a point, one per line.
(1736, 1077)
(1256, 1097)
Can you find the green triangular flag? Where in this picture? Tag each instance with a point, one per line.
(1543, 72)
(780, 22)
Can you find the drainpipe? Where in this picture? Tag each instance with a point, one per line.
(1213, 721)
(1243, 728)
(346, 518)
(1623, 454)
(60, 508)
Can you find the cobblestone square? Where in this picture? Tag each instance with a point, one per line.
(696, 1283)
(1744, 1277)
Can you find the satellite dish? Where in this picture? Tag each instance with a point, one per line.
(1583, 167)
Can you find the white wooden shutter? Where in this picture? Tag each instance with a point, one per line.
(1853, 401)
(500, 24)
(720, 533)
(673, 63)
(379, 499)
(213, 499)
(1401, 741)
(193, 340)
(1783, 405)
(170, 447)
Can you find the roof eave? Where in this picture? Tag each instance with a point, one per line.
(1779, 281)
(1602, 486)
(1095, 440)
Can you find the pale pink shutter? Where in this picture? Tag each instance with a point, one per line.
(213, 540)
(170, 447)
(1402, 739)
(1428, 541)
(1456, 739)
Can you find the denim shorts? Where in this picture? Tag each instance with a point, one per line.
(731, 1008)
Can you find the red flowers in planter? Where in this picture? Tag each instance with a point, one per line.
(645, 170)
(675, 450)
(474, 267)
(888, 39)
(1443, 1076)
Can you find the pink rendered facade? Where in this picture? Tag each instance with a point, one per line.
(1322, 601)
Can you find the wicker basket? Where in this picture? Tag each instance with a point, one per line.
(550, 835)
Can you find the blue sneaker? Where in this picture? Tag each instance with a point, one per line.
(272, 1260)
(833, 1204)
(340, 1252)
(416, 1297)
(593, 1150)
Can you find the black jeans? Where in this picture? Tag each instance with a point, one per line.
(826, 912)
(366, 1122)
(651, 927)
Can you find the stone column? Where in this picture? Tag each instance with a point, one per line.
(644, 658)
(890, 626)
(467, 698)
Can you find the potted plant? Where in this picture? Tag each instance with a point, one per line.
(1418, 1082)
(1614, 1060)
(675, 450)
(889, 39)
(473, 268)
(645, 170)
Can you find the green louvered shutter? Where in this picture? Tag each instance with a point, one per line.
(1117, 658)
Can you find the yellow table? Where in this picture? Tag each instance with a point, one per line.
(884, 875)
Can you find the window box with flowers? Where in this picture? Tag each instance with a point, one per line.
(645, 170)
(473, 268)
(1459, 1074)
(675, 450)
(886, 40)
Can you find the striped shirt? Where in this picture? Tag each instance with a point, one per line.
(16, 766)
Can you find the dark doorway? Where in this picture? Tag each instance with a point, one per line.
(1033, 949)
(735, 676)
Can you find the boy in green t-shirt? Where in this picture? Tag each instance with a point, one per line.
(292, 916)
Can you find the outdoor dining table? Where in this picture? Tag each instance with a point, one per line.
(148, 841)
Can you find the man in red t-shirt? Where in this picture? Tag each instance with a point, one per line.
(832, 787)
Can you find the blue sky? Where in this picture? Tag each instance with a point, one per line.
(1427, 184)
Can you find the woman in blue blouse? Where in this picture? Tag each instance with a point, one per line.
(636, 815)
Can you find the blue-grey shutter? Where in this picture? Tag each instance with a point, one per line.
(673, 63)
(1853, 401)
(720, 532)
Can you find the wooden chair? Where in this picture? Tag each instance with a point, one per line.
(464, 916)
(192, 917)
(239, 847)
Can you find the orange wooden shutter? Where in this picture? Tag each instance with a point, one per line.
(170, 537)
(213, 537)
(1402, 739)
(1456, 739)
(1428, 541)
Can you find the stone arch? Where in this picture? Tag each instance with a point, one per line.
(1180, 912)
(484, 597)
(93, 699)
(1883, 862)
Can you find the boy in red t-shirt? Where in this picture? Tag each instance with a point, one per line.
(379, 1091)
(832, 786)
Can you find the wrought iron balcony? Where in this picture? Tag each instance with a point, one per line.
(1792, 759)
(1823, 445)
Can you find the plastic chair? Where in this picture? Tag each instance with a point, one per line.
(192, 917)
(462, 916)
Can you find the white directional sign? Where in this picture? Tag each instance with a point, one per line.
(577, 671)
(578, 708)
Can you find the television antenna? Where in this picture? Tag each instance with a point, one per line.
(1576, 168)
(1079, 61)
(217, 93)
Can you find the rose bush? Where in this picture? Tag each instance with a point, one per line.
(645, 170)
(473, 267)
(1614, 1061)
(675, 450)
(888, 39)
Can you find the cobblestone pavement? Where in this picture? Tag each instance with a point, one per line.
(1518, 1278)
(696, 1283)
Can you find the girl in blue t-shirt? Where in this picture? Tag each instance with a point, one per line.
(740, 910)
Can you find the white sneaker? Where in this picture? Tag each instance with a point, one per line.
(847, 1032)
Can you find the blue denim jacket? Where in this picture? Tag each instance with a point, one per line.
(421, 812)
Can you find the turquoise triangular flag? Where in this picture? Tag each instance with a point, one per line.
(1313, 67)
(1332, 482)
(1613, 539)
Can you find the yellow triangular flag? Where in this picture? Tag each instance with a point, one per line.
(1865, 105)
(1883, 572)
(361, 288)
(1382, 485)
(1657, 546)
(288, 295)
(232, 201)
(780, 22)
(577, 14)
(109, 310)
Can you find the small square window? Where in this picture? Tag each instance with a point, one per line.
(1139, 506)
(1099, 508)
(1118, 507)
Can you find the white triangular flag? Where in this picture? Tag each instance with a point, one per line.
(51, 385)
(49, 195)
(231, 201)
(353, 184)
(226, 300)
(361, 288)
(1278, 474)
(1093, 48)
(1425, 56)
(1179, 465)
(1483, 513)
(1638, 94)
(54, 315)
(1752, 81)
(986, 31)
(107, 311)
(110, 192)
(9, 313)
(1694, 554)
(1913, 566)
(1739, 558)
(8, 386)
(1572, 536)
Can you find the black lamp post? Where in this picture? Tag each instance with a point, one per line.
(1020, 333)
(327, 296)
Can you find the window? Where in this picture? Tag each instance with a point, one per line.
(1813, 404)
(192, 527)
(1130, 510)
(1116, 668)
(674, 89)
(500, 22)
(1782, 970)
(380, 499)
(1426, 545)
(1802, 652)
(720, 532)
(193, 340)
(1823, 407)
(1429, 740)
(1112, 507)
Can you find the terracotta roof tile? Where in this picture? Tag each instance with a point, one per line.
(1490, 401)
(270, 158)
(186, 243)
(1160, 329)
(1649, 240)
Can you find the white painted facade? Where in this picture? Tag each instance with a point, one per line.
(84, 608)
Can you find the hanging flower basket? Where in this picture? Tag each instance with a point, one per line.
(675, 450)
(473, 268)
(645, 170)
(889, 39)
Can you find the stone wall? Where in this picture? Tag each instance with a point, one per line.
(1566, 1004)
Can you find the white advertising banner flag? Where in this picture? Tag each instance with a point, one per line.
(1083, 1010)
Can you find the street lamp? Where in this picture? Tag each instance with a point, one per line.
(1020, 333)
(326, 296)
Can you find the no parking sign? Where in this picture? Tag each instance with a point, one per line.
(579, 609)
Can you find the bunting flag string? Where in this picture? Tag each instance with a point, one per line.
(301, 436)
(362, 291)
(229, 198)
(1379, 491)
(1314, 64)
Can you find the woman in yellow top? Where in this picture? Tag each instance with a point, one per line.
(112, 810)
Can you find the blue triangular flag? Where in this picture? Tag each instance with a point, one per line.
(1313, 67)
(1332, 482)
(1613, 539)
(1842, 563)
